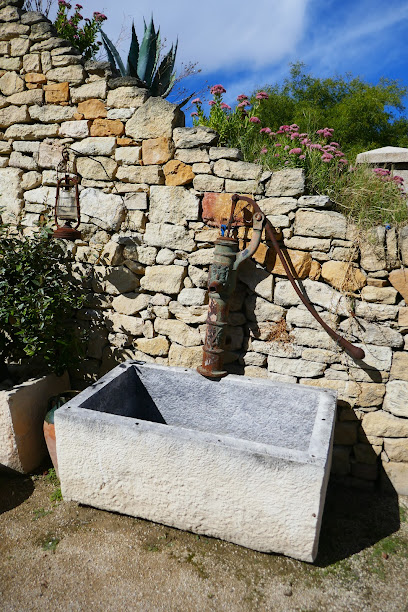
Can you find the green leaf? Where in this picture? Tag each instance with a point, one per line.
(147, 54)
(113, 54)
(133, 55)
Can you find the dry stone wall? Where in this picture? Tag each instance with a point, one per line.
(150, 192)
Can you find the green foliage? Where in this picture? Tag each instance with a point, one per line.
(69, 28)
(37, 300)
(144, 61)
(364, 116)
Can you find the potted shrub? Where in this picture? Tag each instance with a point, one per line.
(38, 340)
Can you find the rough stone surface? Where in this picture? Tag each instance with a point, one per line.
(126, 97)
(75, 129)
(154, 119)
(238, 170)
(188, 138)
(92, 109)
(95, 89)
(105, 210)
(399, 280)
(396, 398)
(151, 175)
(343, 275)
(384, 424)
(320, 224)
(396, 449)
(178, 173)
(234, 459)
(165, 234)
(157, 150)
(382, 295)
(164, 279)
(178, 332)
(10, 194)
(95, 146)
(172, 205)
(397, 474)
(107, 127)
(289, 182)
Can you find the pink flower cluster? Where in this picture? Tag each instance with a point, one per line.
(385, 175)
(217, 90)
(262, 95)
(99, 16)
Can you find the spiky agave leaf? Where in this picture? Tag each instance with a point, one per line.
(113, 54)
(133, 55)
(164, 78)
(147, 54)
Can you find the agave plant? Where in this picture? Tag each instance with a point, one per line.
(143, 62)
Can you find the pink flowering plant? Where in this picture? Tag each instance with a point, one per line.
(82, 33)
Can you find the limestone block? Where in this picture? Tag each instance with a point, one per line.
(128, 155)
(188, 314)
(320, 224)
(276, 349)
(13, 114)
(35, 131)
(316, 201)
(125, 324)
(59, 61)
(107, 127)
(192, 297)
(172, 205)
(198, 277)
(402, 242)
(205, 182)
(51, 113)
(192, 156)
(371, 333)
(397, 474)
(178, 173)
(105, 210)
(9, 13)
(32, 96)
(95, 89)
(376, 312)
(32, 62)
(343, 275)
(248, 187)
(49, 44)
(18, 160)
(258, 309)
(158, 346)
(376, 357)
(166, 234)
(127, 97)
(372, 250)
(95, 146)
(346, 391)
(136, 201)
(165, 257)
(295, 367)
(278, 206)
(22, 411)
(42, 195)
(225, 153)
(71, 74)
(130, 303)
(151, 175)
(157, 150)
(399, 368)
(318, 293)
(141, 253)
(185, 356)
(258, 280)
(382, 295)
(19, 47)
(396, 398)
(97, 168)
(74, 129)
(384, 424)
(189, 138)
(238, 170)
(56, 93)
(10, 194)
(30, 180)
(115, 280)
(92, 109)
(371, 395)
(201, 168)
(300, 261)
(11, 63)
(314, 338)
(164, 279)
(399, 280)
(321, 355)
(396, 449)
(156, 117)
(46, 61)
(288, 182)
(315, 270)
(308, 244)
(11, 83)
(178, 332)
(12, 30)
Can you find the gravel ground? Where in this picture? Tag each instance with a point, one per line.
(57, 555)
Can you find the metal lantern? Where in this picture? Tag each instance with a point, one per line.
(67, 201)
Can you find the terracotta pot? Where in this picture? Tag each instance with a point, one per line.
(49, 428)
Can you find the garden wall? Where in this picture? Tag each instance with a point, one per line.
(150, 190)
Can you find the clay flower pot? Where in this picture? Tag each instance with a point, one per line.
(49, 428)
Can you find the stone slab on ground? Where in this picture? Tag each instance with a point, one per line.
(252, 471)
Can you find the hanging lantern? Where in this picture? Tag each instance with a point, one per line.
(67, 201)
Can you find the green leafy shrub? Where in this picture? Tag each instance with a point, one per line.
(38, 298)
(82, 37)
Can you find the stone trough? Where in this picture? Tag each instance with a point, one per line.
(244, 459)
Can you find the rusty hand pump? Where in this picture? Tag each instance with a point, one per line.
(222, 278)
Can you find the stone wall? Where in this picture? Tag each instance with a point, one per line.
(151, 191)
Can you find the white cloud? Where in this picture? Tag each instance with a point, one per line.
(218, 34)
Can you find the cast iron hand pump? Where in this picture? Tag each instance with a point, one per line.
(222, 278)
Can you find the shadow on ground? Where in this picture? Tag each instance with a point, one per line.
(354, 520)
(14, 489)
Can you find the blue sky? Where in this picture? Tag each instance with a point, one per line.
(243, 46)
